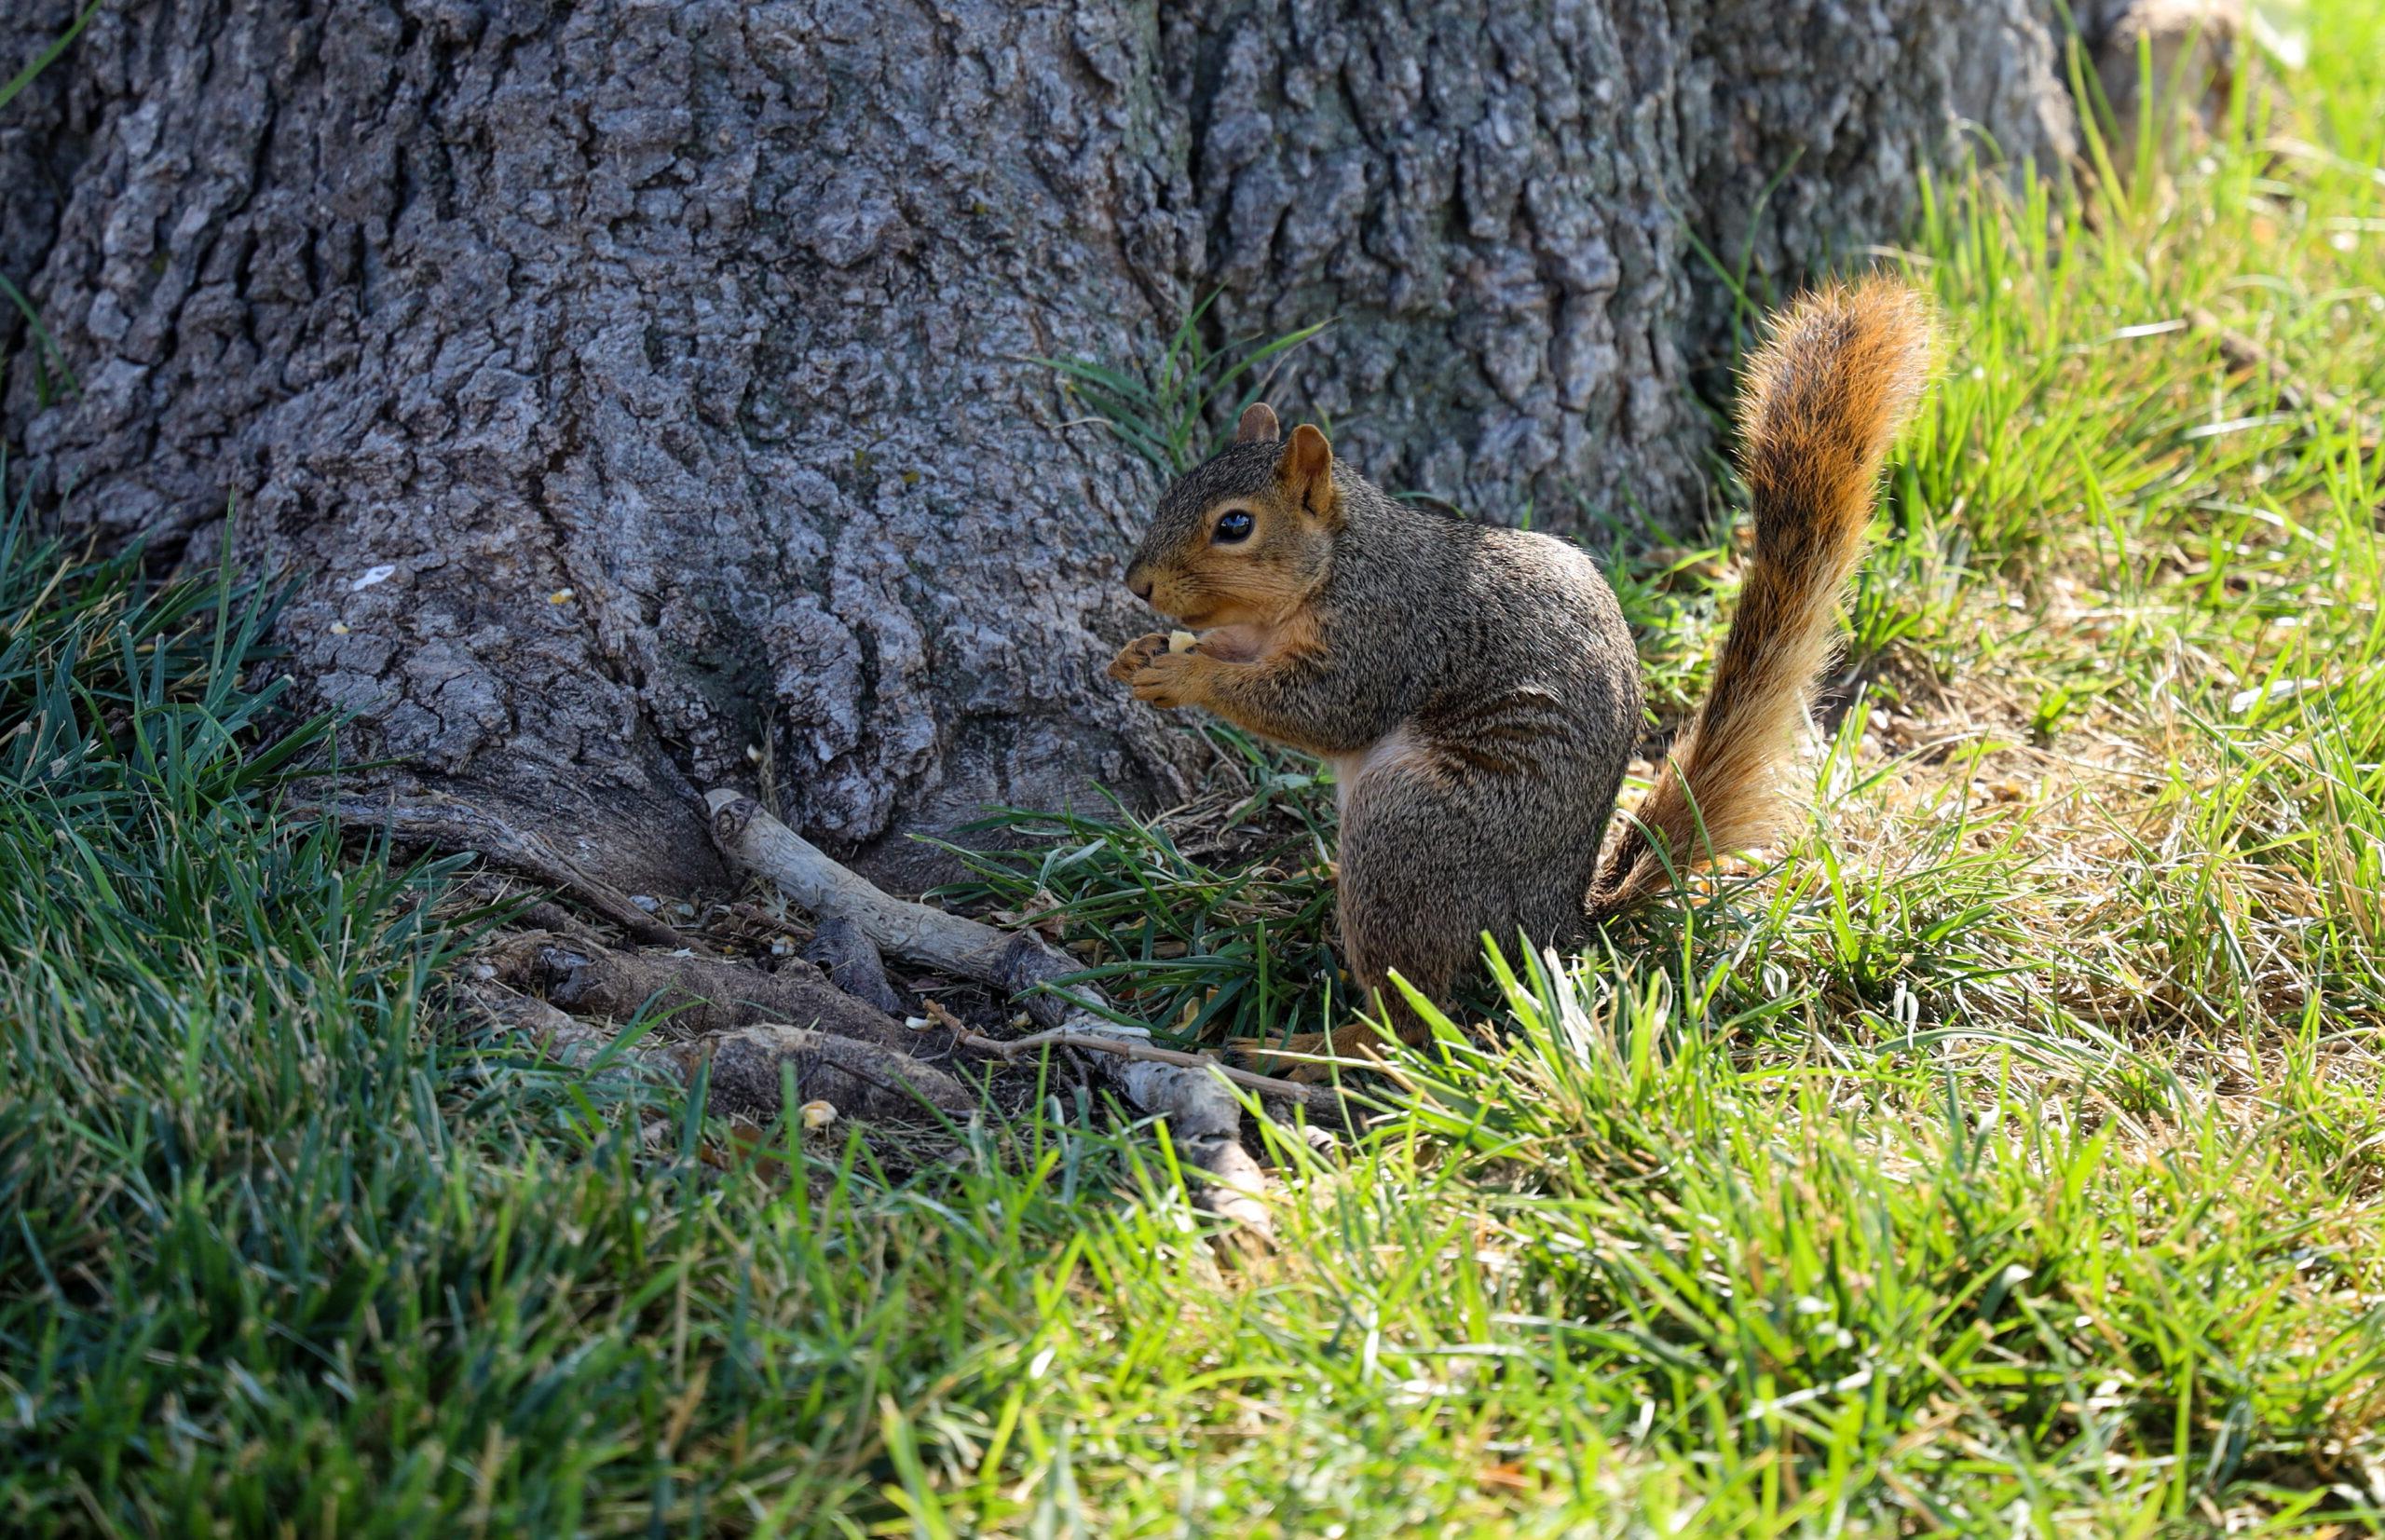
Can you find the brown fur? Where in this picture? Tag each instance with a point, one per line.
(1477, 689)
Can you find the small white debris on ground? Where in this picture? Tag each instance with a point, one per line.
(2282, 690)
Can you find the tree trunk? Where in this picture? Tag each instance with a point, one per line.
(637, 386)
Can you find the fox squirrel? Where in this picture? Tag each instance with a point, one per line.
(1476, 688)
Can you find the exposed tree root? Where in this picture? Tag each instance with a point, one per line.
(750, 1065)
(1203, 1116)
(833, 1035)
(448, 824)
(850, 960)
(700, 996)
(554, 1032)
(1318, 1098)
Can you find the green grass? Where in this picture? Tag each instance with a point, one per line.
(2004, 1154)
(1165, 411)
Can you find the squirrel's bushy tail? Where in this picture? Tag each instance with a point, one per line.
(1838, 376)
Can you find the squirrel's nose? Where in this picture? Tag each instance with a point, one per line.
(1138, 583)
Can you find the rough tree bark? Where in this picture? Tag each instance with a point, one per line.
(636, 385)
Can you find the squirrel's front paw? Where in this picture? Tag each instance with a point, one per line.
(1165, 678)
(1135, 655)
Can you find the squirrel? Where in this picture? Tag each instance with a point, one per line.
(1476, 688)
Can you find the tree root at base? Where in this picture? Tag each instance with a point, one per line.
(1203, 1115)
(701, 996)
(828, 1024)
(748, 1064)
(452, 826)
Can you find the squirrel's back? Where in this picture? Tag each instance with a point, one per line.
(1464, 614)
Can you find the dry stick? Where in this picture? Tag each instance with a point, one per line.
(460, 826)
(1317, 1099)
(1201, 1113)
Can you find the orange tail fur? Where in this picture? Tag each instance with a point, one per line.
(1839, 375)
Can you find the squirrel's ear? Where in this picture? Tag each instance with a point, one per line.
(1306, 472)
(1258, 424)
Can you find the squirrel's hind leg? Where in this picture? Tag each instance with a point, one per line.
(1417, 890)
(1405, 907)
(1382, 999)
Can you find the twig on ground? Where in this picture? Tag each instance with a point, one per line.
(2246, 355)
(1317, 1099)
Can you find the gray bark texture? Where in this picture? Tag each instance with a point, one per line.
(712, 313)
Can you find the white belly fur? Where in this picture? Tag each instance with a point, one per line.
(1393, 748)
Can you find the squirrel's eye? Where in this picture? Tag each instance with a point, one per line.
(1233, 527)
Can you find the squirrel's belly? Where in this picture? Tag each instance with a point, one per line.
(1397, 749)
